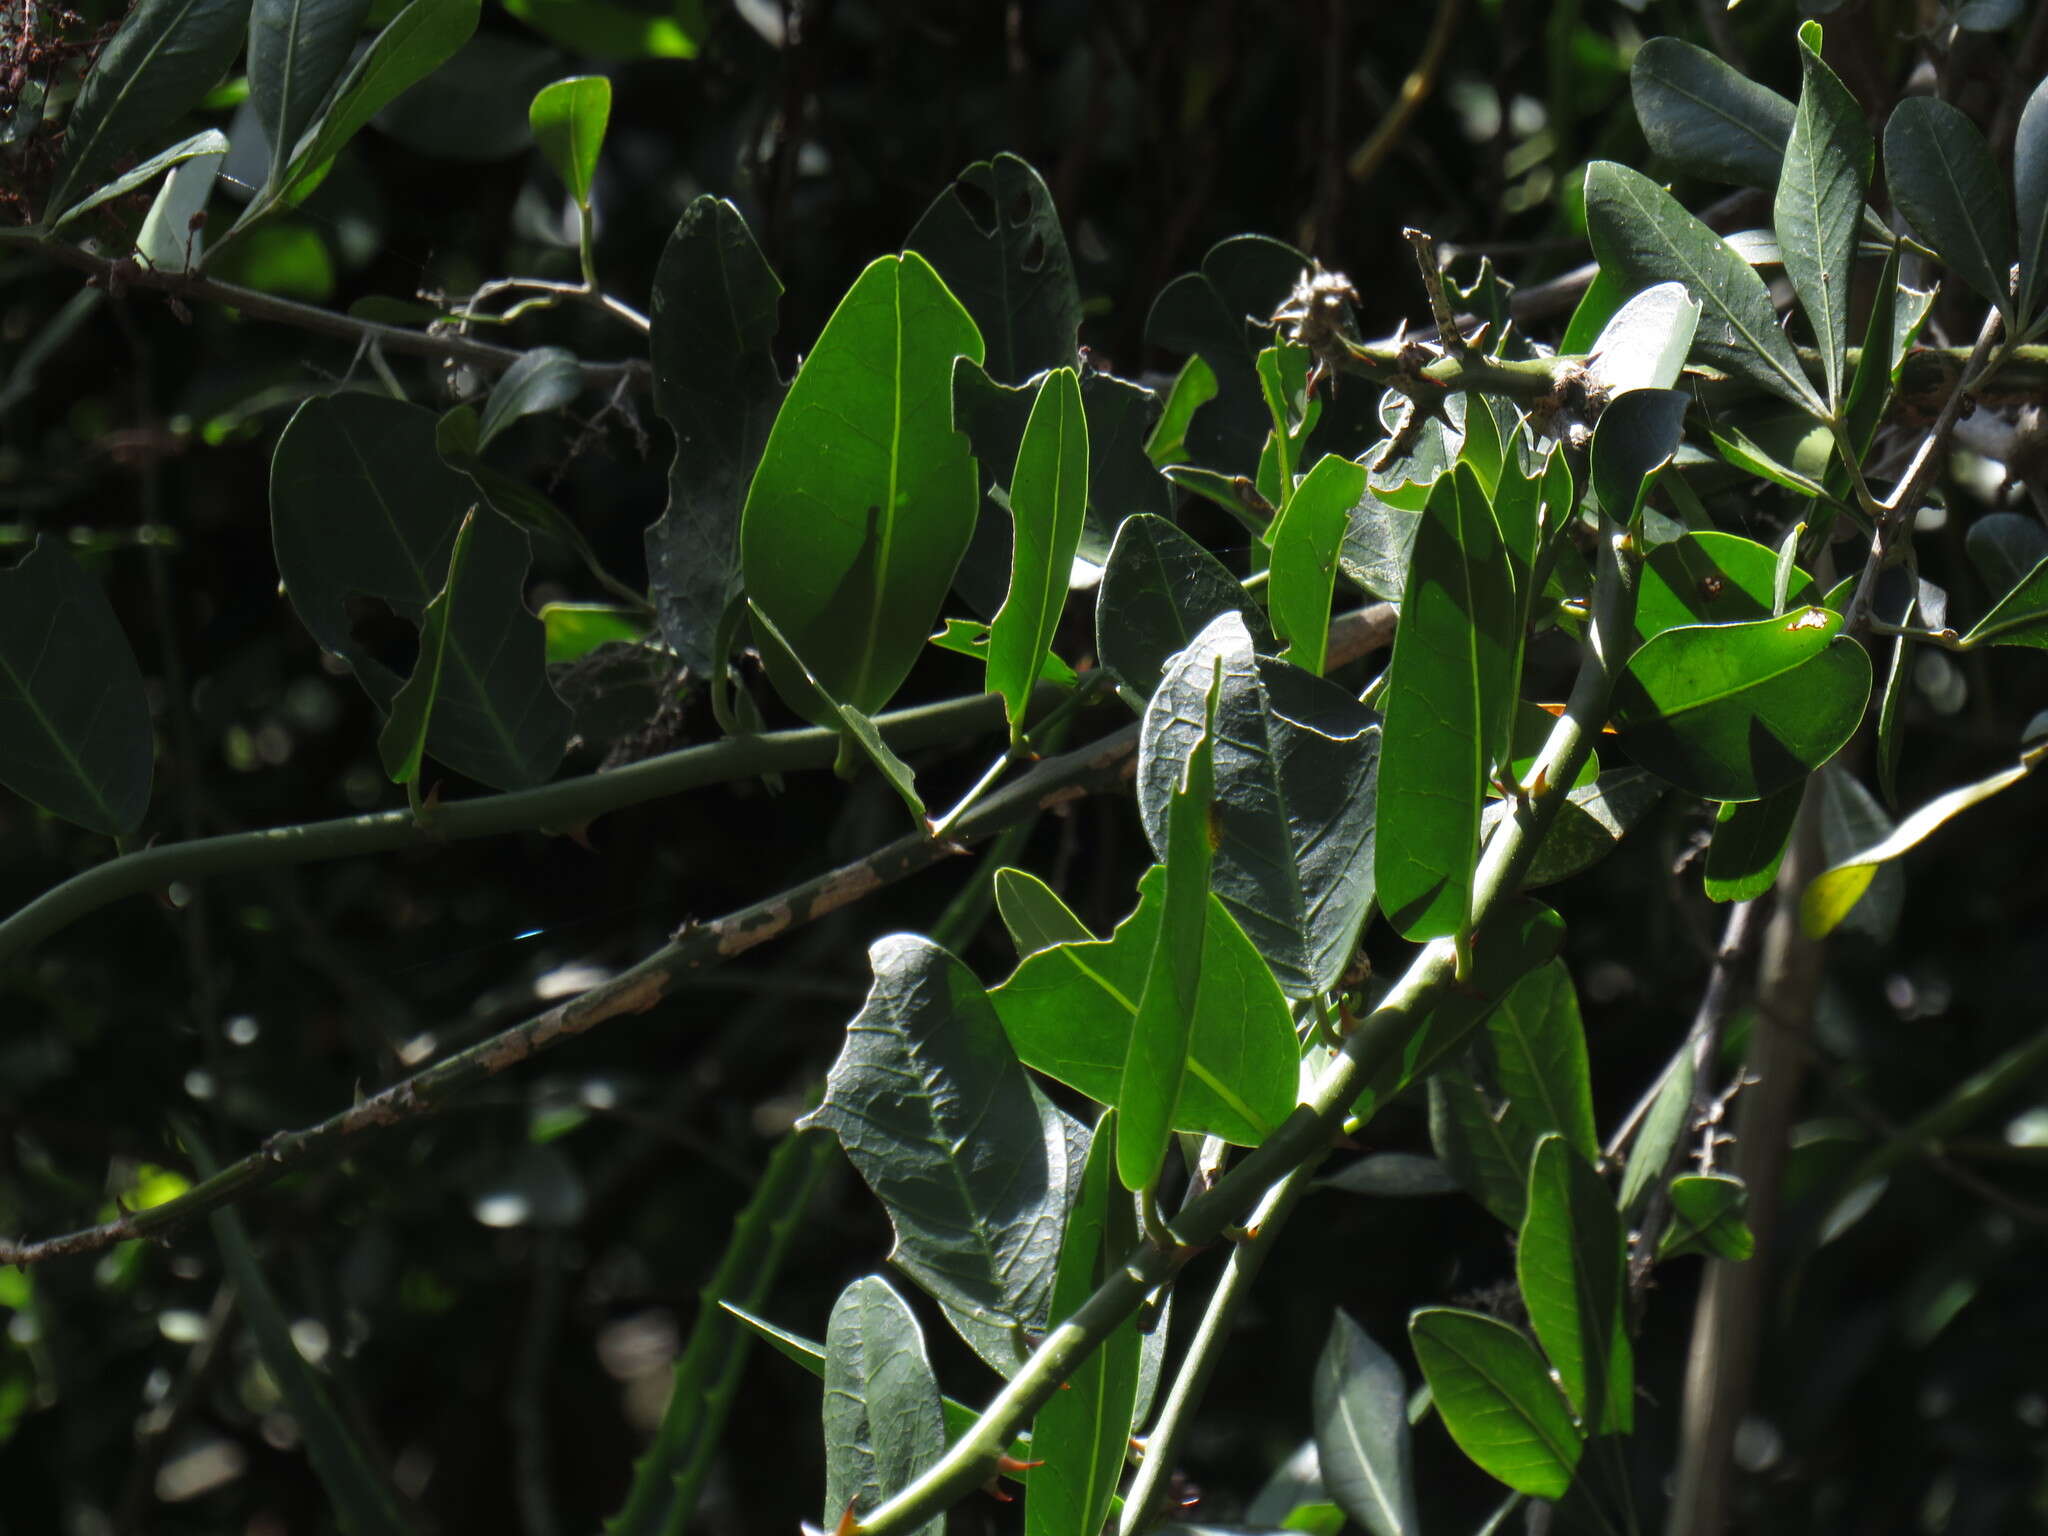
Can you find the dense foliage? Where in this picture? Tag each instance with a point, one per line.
(709, 710)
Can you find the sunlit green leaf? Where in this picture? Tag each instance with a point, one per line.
(1035, 915)
(1295, 760)
(212, 142)
(577, 629)
(568, 119)
(1740, 711)
(1668, 1121)
(969, 637)
(1447, 712)
(882, 1420)
(1644, 345)
(75, 733)
(604, 30)
(1484, 1140)
(1497, 1399)
(1048, 501)
(1573, 1270)
(2020, 617)
(1537, 1048)
(1710, 578)
(1305, 545)
(865, 496)
(1707, 1212)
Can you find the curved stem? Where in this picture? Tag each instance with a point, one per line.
(1247, 1257)
(1305, 1135)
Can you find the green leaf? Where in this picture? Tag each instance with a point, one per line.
(457, 438)
(1048, 502)
(803, 690)
(209, 142)
(1162, 1025)
(576, 629)
(1786, 568)
(404, 738)
(1207, 313)
(716, 385)
(1379, 540)
(1392, 1174)
(1711, 578)
(416, 42)
(2018, 617)
(1362, 1438)
(1538, 1050)
(1598, 305)
(1741, 711)
(1707, 1213)
(1484, 1140)
(1521, 935)
(1832, 894)
(2004, 547)
(1819, 206)
(1644, 345)
(1497, 1399)
(1305, 545)
(1447, 712)
(1668, 1120)
(1870, 390)
(994, 238)
(1082, 1436)
(939, 1118)
(969, 637)
(544, 379)
(1851, 821)
(568, 119)
(1707, 118)
(1160, 589)
(1121, 479)
(1945, 182)
(1193, 387)
(1641, 233)
(363, 510)
(166, 56)
(1573, 1269)
(1069, 1009)
(603, 30)
(1752, 458)
(297, 50)
(1283, 383)
(75, 734)
(1749, 843)
(2030, 195)
(1591, 821)
(1637, 436)
(1035, 915)
(168, 239)
(865, 496)
(882, 1422)
(1295, 761)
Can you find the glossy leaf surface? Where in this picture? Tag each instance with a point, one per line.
(544, 379)
(1048, 504)
(1636, 437)
(568, 119)
(1708, 118)
(934, 1111)
(75, 734)
(1304, 565)
(1296, 762)
(1644, 345)
(2018, 618)
(865, 495)
(1068, 1012)
(297, 50)
(1640, 232)
(1573, 1270)
(1497, 1399)
(882, 1420)
(1363, 1444)
(1741, 711)
(1710, 577)
(1082, 1436)
(1447, 712)
(716, 385)
(209, 143)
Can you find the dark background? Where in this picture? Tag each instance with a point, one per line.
(508, 1372)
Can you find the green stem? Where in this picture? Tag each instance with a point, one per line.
(1305, 1135)
(1162, 1446)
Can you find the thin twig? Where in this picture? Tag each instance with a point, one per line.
(1415, 90)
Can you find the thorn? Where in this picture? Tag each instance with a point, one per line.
(1012, 1466)
(847, 1526)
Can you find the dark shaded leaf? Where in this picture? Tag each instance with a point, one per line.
(1035, 915)
(543, 379)
(1749, 843)
(1392, 1174)
(994, 238)
(1945, 182)
(1160, 589)
(75, 733)
(716, 385)
(1668, 1120)
(404, 738)
(1707, 118)
(1362, 1436)
(1637, 436)
(1589, 823)
(1537, 1050)
(2030, 197)
(297, 50)
(1484, 1140)
(1295, 761)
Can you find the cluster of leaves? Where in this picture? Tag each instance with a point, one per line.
(1538, 515)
